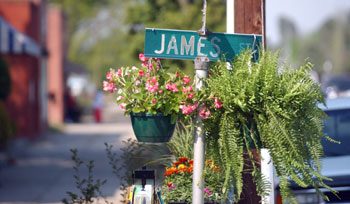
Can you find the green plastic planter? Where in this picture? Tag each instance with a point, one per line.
(152, 128)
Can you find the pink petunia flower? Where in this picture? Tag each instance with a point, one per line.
(142, 57)
(207, 191)
(186, 80)
(172, 186)
(190, 95)
(110, 87)
(171, 87)
(217, 103)
(150, 67)
(119, 72)
(123, 106)
(137, 82)
(204, 112)
(152, 87)
(141, 73)
(154, 101)
(154, 80)
(188, 109)
(120, 98)
(144, 64)
(109, 75)
(188, 89)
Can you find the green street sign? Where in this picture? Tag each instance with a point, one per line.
(182, 44)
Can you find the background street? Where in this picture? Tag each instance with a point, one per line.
(42, 172)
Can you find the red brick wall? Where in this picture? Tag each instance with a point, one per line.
(23, 103)
(55, 66)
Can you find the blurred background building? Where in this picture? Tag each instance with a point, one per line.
(34, 45)
(23, 46)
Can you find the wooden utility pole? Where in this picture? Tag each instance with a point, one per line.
(249, 18)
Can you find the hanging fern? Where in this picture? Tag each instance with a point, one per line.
(268, 105)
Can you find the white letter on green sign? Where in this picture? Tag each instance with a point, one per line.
(162, 46)
(172, 46)
(199, 45)
(186, 46)
(216, 46)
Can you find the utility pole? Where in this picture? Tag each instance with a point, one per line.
(248, 17)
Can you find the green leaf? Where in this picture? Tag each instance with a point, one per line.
(128, 85)
(173, 118)
(137, 95)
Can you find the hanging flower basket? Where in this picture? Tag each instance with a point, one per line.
(153, 128)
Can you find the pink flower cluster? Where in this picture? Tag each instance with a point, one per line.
(109, 76)
(207, 191)
(172, 87)
(188, 109)
(172, 186)
(217, 103)
(190, 95)
(204, 112)
(123, 106)
(144, 60)
(188, 89)
(152, 85)
(186, 80)
(110, 87)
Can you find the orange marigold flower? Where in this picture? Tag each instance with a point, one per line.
(191, 161)
(208, 162)
(169, 184)
(177, 163)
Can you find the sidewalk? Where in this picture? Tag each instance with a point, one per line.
(43, 171)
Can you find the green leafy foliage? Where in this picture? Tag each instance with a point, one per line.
(89, 187)
(8, 127)
(177, 183)
(265, 103)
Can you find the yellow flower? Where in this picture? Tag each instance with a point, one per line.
(182, 166)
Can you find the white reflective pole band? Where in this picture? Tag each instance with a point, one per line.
(267, 172)
(230, 16)
(199, 142)
(230, 21)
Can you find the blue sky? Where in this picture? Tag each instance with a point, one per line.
(308, 15)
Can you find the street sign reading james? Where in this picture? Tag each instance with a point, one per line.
(181, 44)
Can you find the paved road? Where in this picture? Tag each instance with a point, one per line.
(43, 170)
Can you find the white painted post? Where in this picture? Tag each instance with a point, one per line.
(201, 67)
(230, 16)
(230, 21)
(267, 171)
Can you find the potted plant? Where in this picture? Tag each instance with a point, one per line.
(177, 186)
(262, 102)
(152, 97)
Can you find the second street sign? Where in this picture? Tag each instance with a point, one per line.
(181, 44)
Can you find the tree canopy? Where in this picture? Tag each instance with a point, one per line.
(109, 34)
